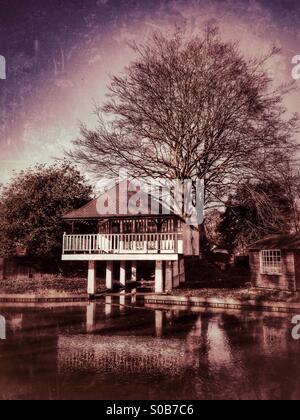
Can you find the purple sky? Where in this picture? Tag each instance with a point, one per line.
(59, 54)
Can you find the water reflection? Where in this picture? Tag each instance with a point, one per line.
(119, 349)
(91, 317)
(159, 323)
(219, 351)
(122, 301)
(108, 306)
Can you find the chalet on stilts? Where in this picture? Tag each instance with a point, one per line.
(118, 235)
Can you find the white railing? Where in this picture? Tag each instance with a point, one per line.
(139, 243)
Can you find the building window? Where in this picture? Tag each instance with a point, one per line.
(271, 262)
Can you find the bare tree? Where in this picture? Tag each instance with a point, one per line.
(190, 108)
(257, 211)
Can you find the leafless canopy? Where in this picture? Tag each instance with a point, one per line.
(192, 108)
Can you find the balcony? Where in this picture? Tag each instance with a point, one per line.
(122, 244)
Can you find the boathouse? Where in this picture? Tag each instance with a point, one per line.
(275, 263)
(117, 227)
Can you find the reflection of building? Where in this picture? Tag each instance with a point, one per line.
(219, 351)
(274, 335)
(149, 350)
(15, 322)
(11, 323)
(274, 339)
(122, 354)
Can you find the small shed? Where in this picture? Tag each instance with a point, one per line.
(275, 263)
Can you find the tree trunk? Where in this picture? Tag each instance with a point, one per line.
(204, 245)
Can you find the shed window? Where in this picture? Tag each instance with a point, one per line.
(271, 262)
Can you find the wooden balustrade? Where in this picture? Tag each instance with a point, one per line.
(135, 243)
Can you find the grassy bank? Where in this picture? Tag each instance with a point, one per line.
(48, 286)
(52, 286)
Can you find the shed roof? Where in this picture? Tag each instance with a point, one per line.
(284, 242)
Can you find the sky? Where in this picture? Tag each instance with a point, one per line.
(60, 54)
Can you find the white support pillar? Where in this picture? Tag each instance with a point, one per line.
(92, 278)
(109, 275)
(159, 277)
(134, 271)
(123, 273)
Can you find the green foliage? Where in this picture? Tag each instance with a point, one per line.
(32, 206)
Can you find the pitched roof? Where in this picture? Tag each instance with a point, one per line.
(284, 242)
(89, 211)
(99, 207)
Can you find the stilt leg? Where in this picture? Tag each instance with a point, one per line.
(159, 278)
(92, 279)
(123, 274)
(109, 275)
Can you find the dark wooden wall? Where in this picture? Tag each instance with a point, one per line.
(286, 281)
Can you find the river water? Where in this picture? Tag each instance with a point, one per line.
(108, 351)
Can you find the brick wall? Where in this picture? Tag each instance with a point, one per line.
(287, 281)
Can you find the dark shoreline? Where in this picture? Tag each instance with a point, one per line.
(223, 303)
(181, 302)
